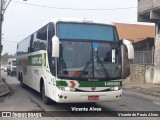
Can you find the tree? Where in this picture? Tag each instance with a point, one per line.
(5, 58)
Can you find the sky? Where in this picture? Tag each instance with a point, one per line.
(22, 18)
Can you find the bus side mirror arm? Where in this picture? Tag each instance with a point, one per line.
(130, 48)
(55, 46)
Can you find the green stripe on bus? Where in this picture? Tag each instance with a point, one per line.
(44, 59)
(35, 60)
(61, 83)
(92, 83)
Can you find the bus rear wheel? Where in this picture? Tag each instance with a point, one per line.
(45, 99)
(11, 73)
(7, 72)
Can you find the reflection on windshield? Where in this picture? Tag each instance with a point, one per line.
(88, 60)
(73, 57)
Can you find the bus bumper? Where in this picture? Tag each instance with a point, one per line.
(73, 97)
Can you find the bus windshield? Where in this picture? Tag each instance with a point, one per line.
(89, 60)
(86, 31)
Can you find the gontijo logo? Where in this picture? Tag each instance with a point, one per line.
(37, 60)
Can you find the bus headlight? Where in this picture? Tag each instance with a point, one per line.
(115, 88)
(66, 88)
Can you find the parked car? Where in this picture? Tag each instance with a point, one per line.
(2, 67)
(11, 66)
(5, 69)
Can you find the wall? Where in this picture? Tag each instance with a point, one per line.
(146, 44)
(157, 47)
(152, 74)
(126, 63)
(145, 73)
(149, 11)
(146, 5)
(137, 73)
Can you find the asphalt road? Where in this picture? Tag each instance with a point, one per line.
(26, 99)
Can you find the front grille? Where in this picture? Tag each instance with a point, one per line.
(78, 90)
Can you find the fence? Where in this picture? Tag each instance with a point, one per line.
(144, 57)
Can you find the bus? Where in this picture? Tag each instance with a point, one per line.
(73, 60)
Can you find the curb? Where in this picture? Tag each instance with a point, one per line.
(7, 87)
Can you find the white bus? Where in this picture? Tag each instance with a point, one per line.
(70, 60)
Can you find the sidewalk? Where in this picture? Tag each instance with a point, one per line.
(146, 89)
(4, 90)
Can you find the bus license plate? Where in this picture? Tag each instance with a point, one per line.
(93, 97)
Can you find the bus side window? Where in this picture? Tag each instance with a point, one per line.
(51, 33)
(30, 49)
(42, 33)
(39, 40)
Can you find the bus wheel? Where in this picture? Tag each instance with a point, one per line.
(7, 73)
(21, 82)
(45, 99)
(11, 73)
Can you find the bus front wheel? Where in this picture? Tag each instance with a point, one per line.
(45, 99)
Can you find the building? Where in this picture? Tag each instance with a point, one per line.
(142, 37)
(149, 11)
(134, 32)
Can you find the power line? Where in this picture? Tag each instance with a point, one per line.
(11, 47)
(9, 41)
(91, 9)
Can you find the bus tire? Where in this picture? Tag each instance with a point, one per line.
(45, 99)
(11, 73)
(19, 76)
(21, 82)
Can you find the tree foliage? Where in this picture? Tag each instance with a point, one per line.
(5, 57)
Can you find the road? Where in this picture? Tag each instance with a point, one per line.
(26, 99)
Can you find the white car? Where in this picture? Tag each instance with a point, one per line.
(5, 69)
(2, 67)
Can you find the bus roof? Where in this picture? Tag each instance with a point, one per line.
(79, 20)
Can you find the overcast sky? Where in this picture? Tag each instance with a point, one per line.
(24, 17)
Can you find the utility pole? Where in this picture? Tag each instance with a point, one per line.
(2, 5)
(3, 8)
(0, 33)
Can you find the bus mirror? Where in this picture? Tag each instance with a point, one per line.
(129, 48)
(55, 46)
(113, 55)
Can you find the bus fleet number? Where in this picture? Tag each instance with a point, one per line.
(112, 84)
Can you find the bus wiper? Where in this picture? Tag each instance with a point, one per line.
(104, 69)
(89, 62)
(85, 67)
